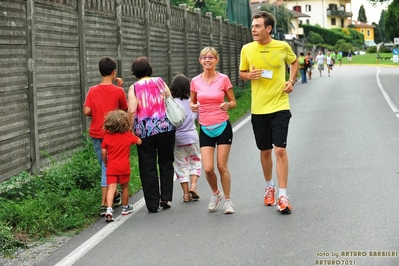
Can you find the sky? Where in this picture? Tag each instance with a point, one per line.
(372, 13)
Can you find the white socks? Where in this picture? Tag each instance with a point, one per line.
(281, 191)
(269, 183)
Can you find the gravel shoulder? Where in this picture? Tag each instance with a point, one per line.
(37, 252)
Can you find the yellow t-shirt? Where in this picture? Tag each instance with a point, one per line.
(267, 94)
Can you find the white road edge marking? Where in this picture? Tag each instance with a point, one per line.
(100, 235)
(80, 251)
(386, 96)
(241, 124)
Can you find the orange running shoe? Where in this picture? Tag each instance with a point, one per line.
(270, 200)
(284, 204)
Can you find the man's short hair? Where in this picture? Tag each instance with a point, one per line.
(268, 18)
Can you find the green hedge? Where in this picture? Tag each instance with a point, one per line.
(332, 36)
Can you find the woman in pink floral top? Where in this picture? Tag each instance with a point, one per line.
(147, 110)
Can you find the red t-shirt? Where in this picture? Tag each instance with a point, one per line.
(102, 99)
(118, 152)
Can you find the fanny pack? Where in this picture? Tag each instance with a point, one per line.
(214, 130)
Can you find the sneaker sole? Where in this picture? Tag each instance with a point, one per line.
(229, 212)
(215, 209)
(126, 213)
(109, 218)
(271, 204)
(286, 210)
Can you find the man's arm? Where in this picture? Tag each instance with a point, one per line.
(244, 75)
(293, 70)
(289, 84)
(250, 75)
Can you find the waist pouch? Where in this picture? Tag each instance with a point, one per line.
(214, 130)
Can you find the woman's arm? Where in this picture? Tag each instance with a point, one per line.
(132, 103)
(231, 100)
(194, 101)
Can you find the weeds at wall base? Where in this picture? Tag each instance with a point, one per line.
(65, 197)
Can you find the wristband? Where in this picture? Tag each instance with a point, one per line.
(293, 83)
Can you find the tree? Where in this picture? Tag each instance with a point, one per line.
(377, 33)
(381, 28)
(178, 2)
(217, 7)
(283, 16)
(362, 15)
(200, 4)
(343, 46)
(315, 38)
(391, 19)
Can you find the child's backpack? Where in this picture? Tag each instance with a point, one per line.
(301, 61)
(308, 63)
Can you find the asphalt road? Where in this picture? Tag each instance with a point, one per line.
(343, 148)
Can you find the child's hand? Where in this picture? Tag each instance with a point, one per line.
(119, 82)
(194, 107)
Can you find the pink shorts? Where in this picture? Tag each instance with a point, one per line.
(121, 179)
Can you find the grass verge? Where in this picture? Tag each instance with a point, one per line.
(370, 59)
(64, 198)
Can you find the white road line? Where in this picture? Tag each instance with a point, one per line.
(386, 96)
(80, 251)
(100, 235)
(241, 124)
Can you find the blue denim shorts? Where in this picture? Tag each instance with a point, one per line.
(97, 150)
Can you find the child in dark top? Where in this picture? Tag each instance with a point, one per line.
(116, 156)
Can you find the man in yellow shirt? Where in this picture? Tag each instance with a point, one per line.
(263, 62)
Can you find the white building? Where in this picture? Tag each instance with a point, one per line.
(325, 13)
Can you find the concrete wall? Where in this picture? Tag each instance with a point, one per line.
(50, 51)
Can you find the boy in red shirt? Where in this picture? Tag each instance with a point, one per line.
(116, 157)
(100, 100)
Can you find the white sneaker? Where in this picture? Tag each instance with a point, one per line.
(228, 207)
(108, 215)
(214, 203)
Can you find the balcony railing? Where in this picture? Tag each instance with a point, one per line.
(338, 13)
